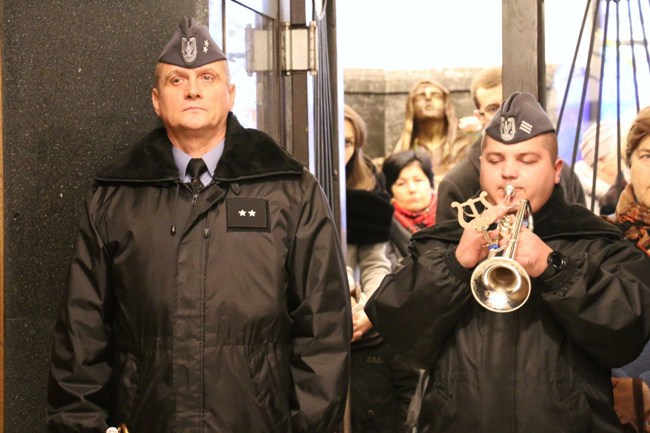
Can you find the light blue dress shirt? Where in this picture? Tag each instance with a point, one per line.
(211, 159)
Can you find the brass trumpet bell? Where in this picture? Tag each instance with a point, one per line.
(500, 284)
(121, 429)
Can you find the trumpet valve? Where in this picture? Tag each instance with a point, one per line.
(505, 226)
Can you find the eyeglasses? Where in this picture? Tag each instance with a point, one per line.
(490, 110)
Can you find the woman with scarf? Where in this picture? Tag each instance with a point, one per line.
(381, 383)
(409, 180)
(631, 395)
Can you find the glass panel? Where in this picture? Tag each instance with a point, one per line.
(250, 46)
(215, 21)
(634, 67)
(266, 7)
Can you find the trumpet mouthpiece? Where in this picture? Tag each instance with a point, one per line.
(509, 191)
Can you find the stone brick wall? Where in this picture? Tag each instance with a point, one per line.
(379, 96)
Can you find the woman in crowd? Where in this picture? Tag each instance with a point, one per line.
(633, 217)
(409, 180)
(601, 192)
(381, 385)
(633, 209)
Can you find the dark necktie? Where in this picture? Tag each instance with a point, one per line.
(195, 169)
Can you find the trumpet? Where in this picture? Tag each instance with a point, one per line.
(120, 429)
(499, 283)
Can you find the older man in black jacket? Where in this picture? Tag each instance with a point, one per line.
(207, 291)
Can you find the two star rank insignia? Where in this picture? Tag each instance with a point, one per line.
(247, 213)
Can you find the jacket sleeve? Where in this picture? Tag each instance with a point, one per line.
(319, 304)
(78, 395)
(602, 300)
(416, 307)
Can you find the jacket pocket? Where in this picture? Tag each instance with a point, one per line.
(127, 390)
(553, 403)
(271, 383)
(450, 405)
(576, 407)
(434, 406)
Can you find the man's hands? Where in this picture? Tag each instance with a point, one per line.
(531, 251)
(473, 246)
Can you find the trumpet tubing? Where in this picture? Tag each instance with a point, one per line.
(499, 283)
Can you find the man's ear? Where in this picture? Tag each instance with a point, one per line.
(154, 101)
(559, 163)
(232, 91)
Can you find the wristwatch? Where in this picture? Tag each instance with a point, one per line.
(556, 260)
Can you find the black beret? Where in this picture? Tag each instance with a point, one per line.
(520, 118)
(191, 46)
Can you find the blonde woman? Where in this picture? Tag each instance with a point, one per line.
(431, 124)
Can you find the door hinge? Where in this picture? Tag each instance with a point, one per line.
(298, 46)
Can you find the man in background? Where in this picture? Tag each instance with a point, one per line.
(462, 181)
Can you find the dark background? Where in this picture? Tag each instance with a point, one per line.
(76, 85)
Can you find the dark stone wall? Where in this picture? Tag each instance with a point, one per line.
(379, 96)
(76, 90)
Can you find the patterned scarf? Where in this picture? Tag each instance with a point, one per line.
(416, 221)
(635, 218)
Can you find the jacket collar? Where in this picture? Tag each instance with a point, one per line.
(247, 154)
(556, 219)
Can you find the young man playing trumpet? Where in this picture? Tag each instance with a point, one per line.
(545, 365)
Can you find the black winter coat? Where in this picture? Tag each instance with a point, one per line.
(542, 368)
(239, 322)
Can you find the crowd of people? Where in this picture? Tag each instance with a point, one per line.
(209, 292)
(411, 311)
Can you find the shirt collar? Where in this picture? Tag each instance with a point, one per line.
(211, 160)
